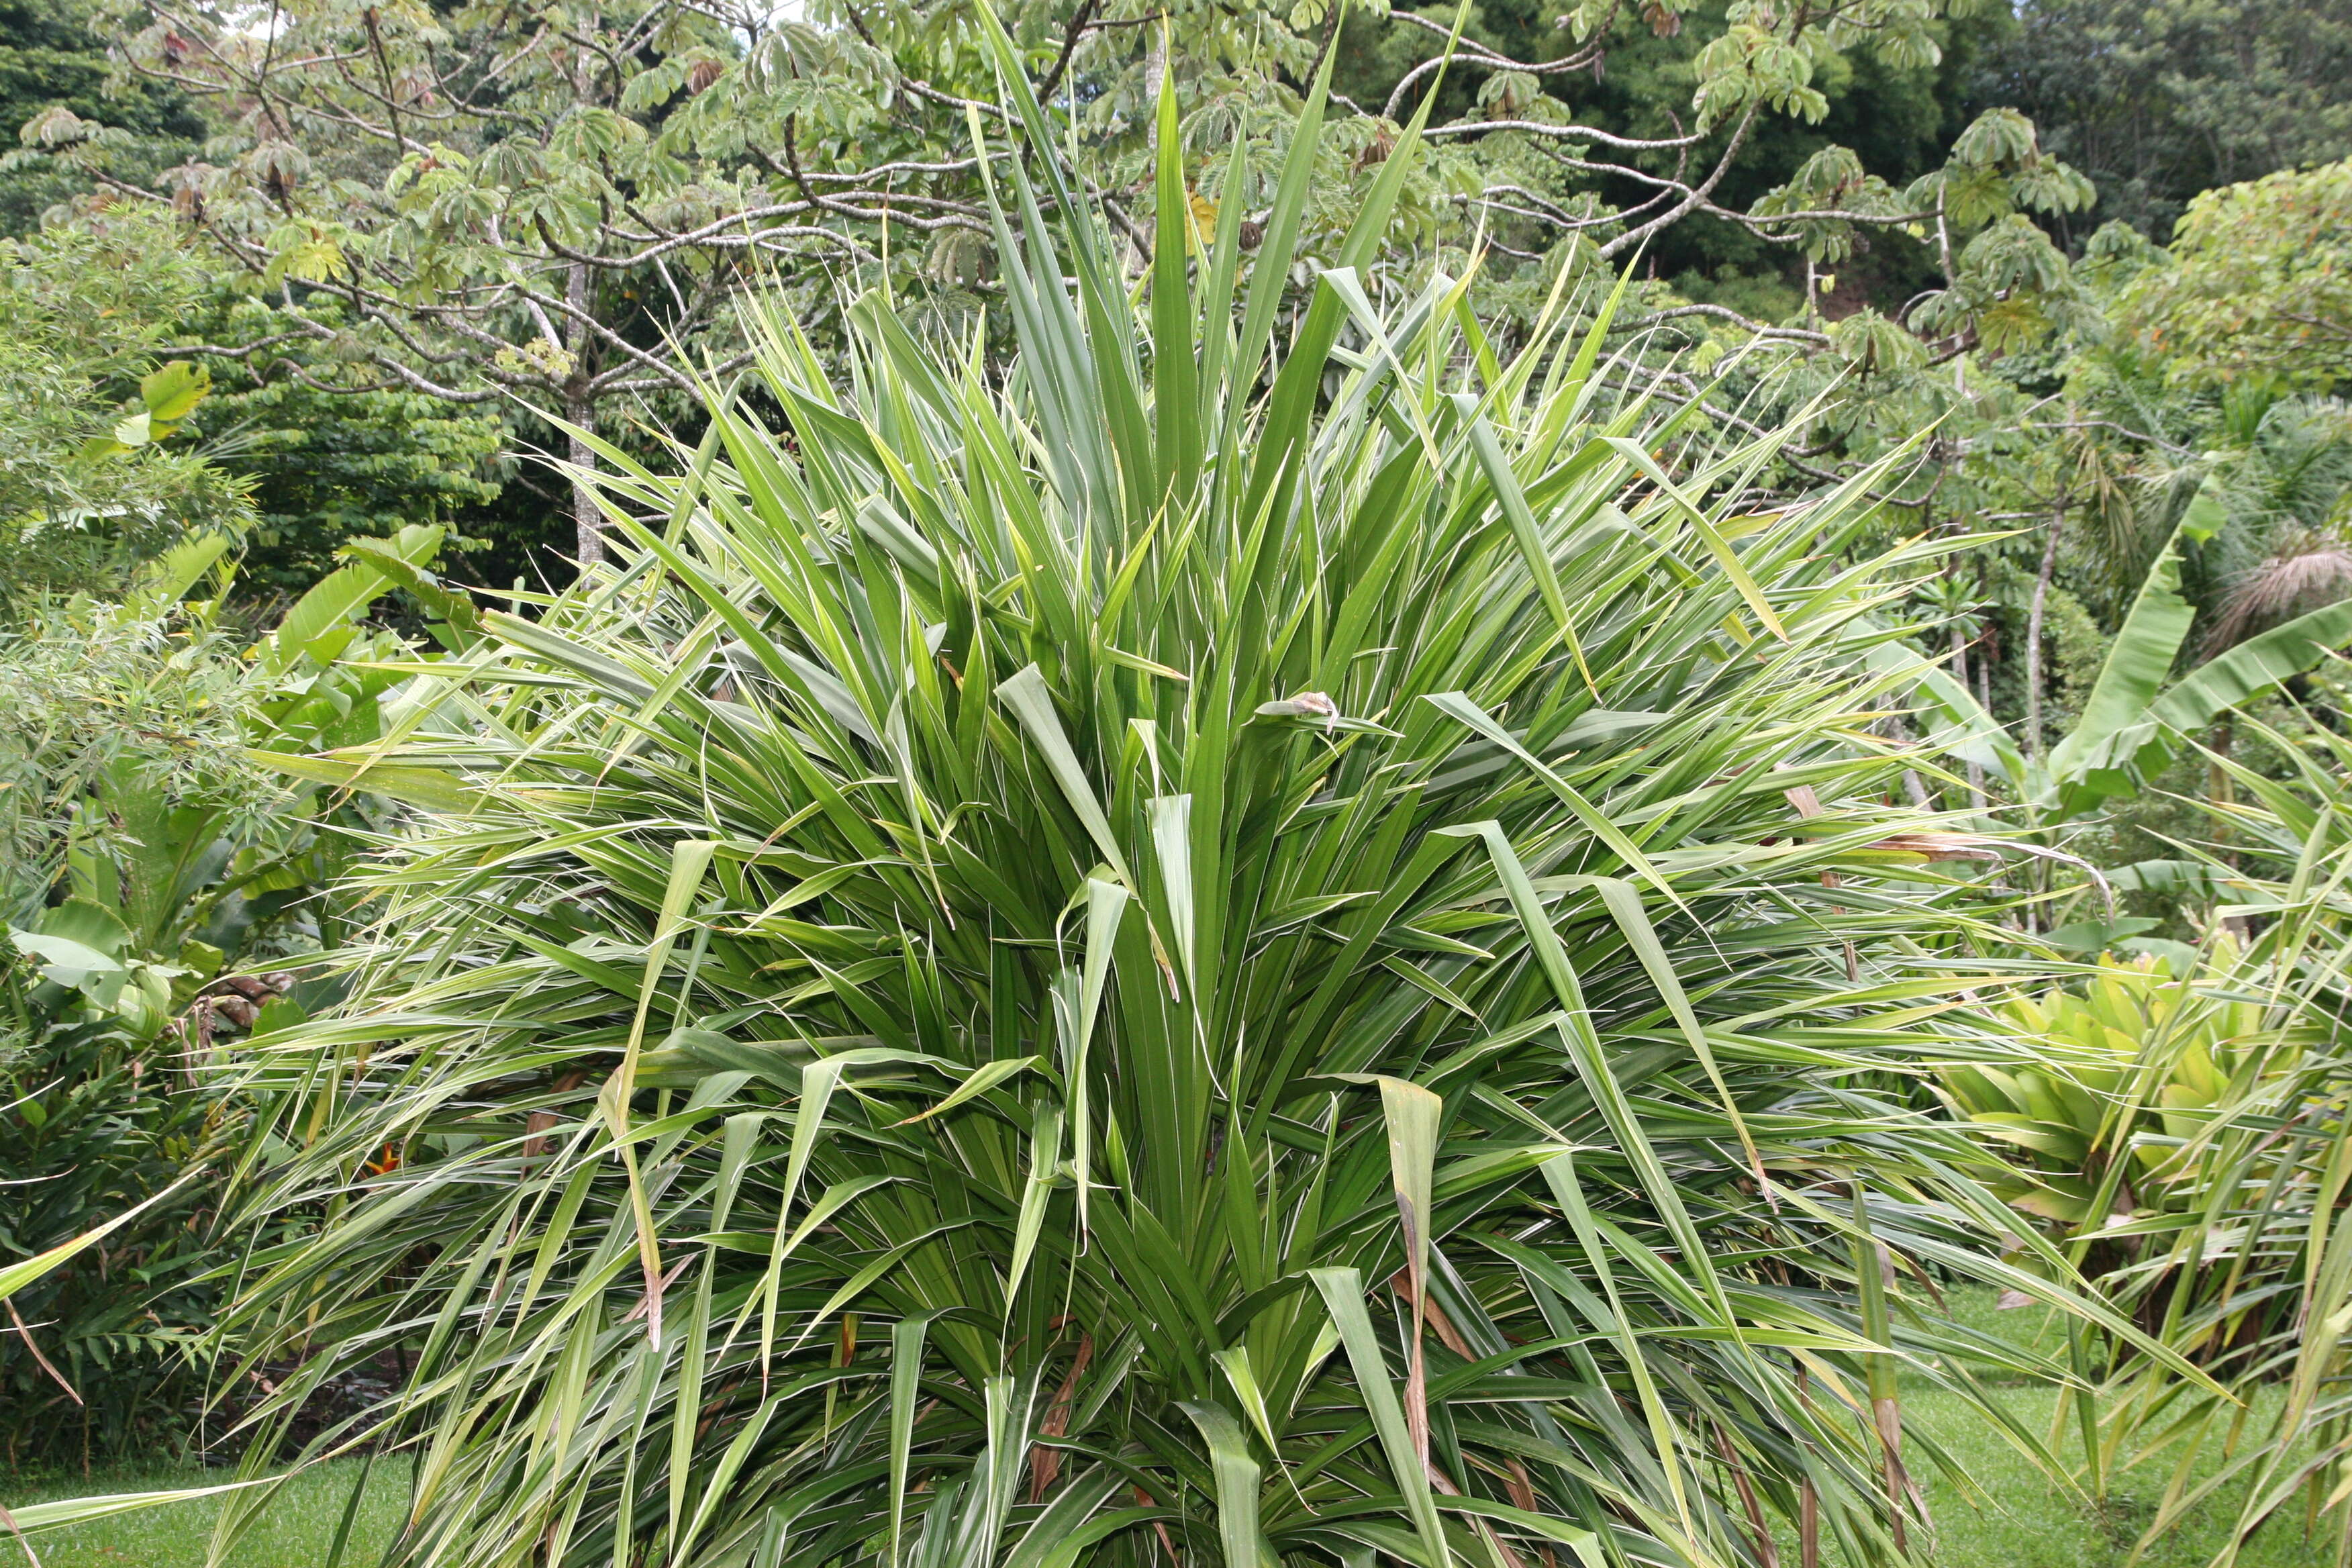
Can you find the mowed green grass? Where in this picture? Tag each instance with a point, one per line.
(2010, 1513)
(2023, 1520)
(296, 1531)
(2018, 1518)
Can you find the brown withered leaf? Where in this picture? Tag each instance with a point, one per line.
(1940, 845)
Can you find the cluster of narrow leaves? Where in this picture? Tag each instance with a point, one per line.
(1201, 950)
(2185, 1132)
(2218, 1163)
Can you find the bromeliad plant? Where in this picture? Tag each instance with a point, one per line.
(2253, 1258)
(2183, 1137)
(2181, 1133)
(1182, 950)
(2125, 1076)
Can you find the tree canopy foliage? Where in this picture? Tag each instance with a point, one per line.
(90, 475)
(562, 203)
(2159, 100)
(2258, 291)
(54, 54)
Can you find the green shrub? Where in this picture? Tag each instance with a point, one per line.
(2179, 1128)
(159, 893)
(1107, 959)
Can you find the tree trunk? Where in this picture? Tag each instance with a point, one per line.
(2033, 637)
(2221, 789)
(1155, 67)
(1896, 729)
(587, 520)
(1960, 674)
(1987, 650)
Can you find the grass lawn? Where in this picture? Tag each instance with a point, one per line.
(296, 1533)
(2022, 1521)
(2011, 1515)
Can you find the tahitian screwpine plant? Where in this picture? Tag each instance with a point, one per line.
(1137, 958)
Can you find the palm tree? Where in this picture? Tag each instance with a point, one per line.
(2284, 489)
(1186, 951)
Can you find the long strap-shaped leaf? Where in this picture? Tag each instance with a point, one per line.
(907, 1336)
(1624, 906)
(1413, 1116)
(1343, 1295)
(1026, 694)
(1236, 1483)
(1586, 1052)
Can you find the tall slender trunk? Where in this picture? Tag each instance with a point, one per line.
(2033, 636)
(587, 520)
(1899, 731)
(2221, 789)
(1155, 68)
(1960, 674)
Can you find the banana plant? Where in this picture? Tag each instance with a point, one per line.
(2138, 714)
(84, 950)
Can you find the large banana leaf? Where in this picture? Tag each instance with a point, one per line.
(1202, 946)
(2136, 717)
(2093, 759)
(2257, 666)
